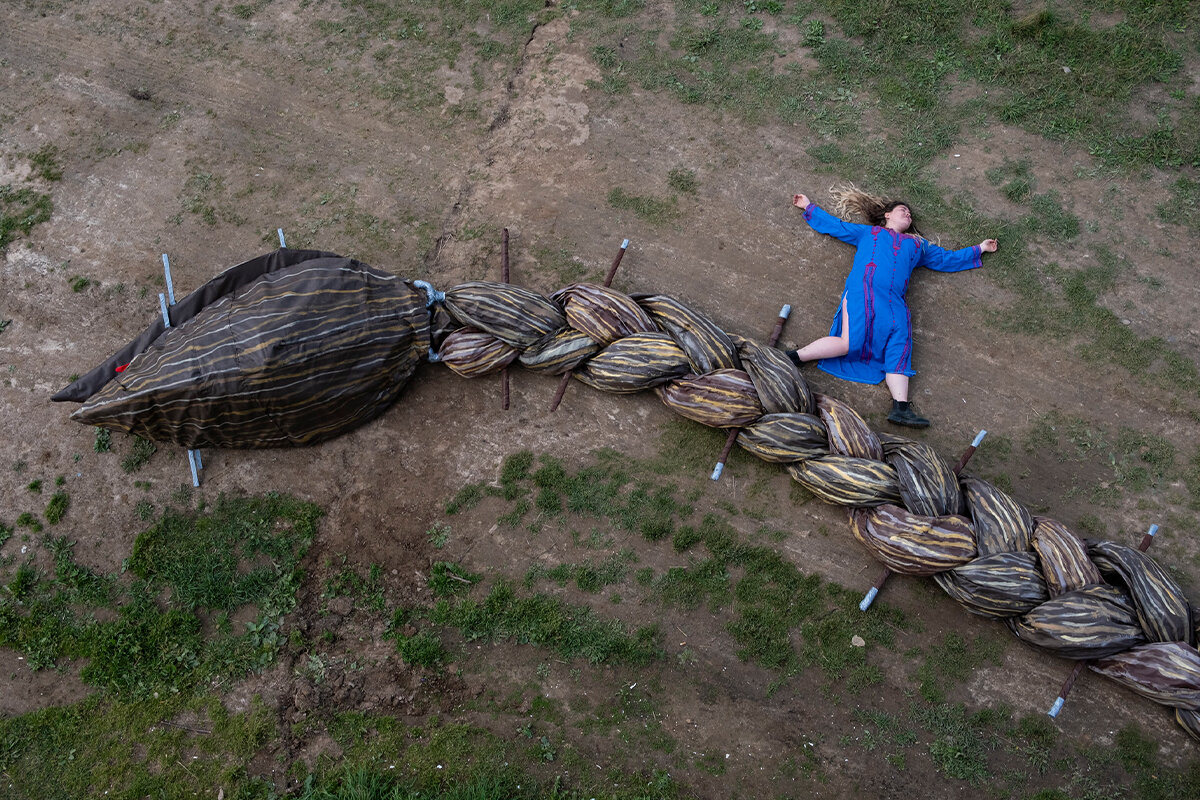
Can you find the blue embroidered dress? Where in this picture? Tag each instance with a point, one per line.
(880, 324)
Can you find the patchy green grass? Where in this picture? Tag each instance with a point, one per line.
(244, 552)
(57, 507)
(348, 581)
(570, 631)
(139, 454)
(950, 662)
(21, 210)
(1184, 206)
(655, 210)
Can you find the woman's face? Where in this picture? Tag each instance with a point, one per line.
(898, 219)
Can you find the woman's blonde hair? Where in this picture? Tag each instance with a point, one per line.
(849, 201)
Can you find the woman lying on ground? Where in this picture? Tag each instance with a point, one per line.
(871, 338)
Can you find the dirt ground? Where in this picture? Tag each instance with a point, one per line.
(190, 130)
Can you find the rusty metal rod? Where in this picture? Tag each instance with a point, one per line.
(873, 592)
(784, 313)
(608, 279)
(504, 278)
(1061, 700)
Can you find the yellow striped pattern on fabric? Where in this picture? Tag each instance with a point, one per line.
(472, 353)
(724, 398)
(1162, 608)
(601, 313)
(561, 351)
(1165, 672)
(1002, 525)
(928, 484)
(997, 585)
(781, 438)
(1090, 622)
(708, 347)
(1065, 563)
(512, 314)
(849, 434)
(302, 355)
(911, 544)
(781, 389)
(637, 362)
(1190, 720)
(847, 481)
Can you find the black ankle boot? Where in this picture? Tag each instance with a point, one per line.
(903, 414)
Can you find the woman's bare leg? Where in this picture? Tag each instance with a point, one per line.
(828, 346)
(897, 384)
(902, 411)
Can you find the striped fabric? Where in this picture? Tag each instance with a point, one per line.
(1065, 563)
(912, 544)
(471, 353)
(781, 438)
(708, 347)
(1162, 608)
(724, 398)
(561, 351)
(928, 485)
(1090, 622)
(847, 481)
(849, 434)
(637, 362)
(602, 314)
(515, 315)
(302, 355)
(997, 585)
(777, 381)
(1002, 525)
(1165, 672)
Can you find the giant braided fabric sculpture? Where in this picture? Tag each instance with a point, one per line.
(299, 346)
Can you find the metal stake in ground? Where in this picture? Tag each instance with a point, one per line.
(164, 304)
(1079, 665)
(504, 278)
(784, 313)
(608, 279)
(873, 592)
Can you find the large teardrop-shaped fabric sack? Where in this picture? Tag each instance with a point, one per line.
(311, 347)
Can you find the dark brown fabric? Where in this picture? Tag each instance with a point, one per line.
(300, 355)
(229, 281)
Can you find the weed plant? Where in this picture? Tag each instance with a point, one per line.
(139, 455)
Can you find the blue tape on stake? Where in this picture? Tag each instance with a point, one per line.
(978, 439)
(162, 306)
(199, 463)
(870, 598)
(716, 473)
(282, 243)
(431, 295)
(167, 273)
(1057, 707)
(786, 311)
(1153, 530)
(433, 356)
(624, 244)
(192, 464)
